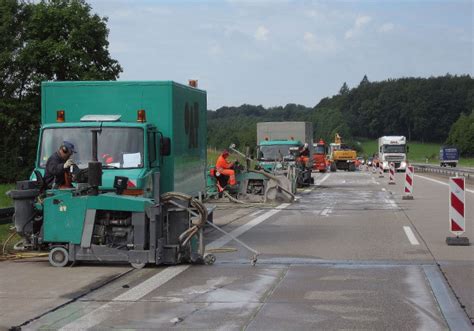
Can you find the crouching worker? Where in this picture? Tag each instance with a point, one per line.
(226, 168)
(57, 166)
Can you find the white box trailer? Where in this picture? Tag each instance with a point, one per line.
(302, 131)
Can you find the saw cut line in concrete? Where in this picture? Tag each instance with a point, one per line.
(95, 317)
(440, 182)
(449, 305)
(411, 236)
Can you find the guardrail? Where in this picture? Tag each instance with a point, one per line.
(468, 173)
(6, 215)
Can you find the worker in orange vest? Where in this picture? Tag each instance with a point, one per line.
(304, 154)
(225, 168)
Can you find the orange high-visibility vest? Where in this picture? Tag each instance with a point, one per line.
(222, 163)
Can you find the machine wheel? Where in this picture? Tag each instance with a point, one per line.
(333, 167)
(138, 266)
(209, 259)
(58, 257)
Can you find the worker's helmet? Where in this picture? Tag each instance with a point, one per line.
(225, 153)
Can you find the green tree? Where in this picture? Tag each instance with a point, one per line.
(461, 134)
(49, 40)
(344, 90)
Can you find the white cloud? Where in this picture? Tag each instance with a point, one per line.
(359, 24)
(261, 33)
(387, 27)
(215, 50)
(349, 33)
(312, 13)
(311, 43)
(362, 20)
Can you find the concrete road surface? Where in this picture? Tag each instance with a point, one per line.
(350, 254)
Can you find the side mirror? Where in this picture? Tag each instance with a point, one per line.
(165, 146)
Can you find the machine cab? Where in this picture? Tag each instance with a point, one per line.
(132, 150)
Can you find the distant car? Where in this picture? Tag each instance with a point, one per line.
(361, 160)
(370, 160)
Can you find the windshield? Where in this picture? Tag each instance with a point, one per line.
(275, 152)
(394, 148)
(319, 149)
(117, 147)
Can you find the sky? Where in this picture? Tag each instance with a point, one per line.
(272, 53)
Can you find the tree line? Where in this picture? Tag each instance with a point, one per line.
(435, 109)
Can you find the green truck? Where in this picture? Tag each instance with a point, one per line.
(129, 145)
(279, 145)
(138, 144)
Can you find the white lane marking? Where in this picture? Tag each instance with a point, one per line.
(93, 318)
(326, 211)
(410, 235)
(440, 182)
(151, 283)
(319, 182)
(244, 228)
(307, 190)
(255, 213)
(98, 315)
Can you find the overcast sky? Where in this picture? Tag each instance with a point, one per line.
(278, 52)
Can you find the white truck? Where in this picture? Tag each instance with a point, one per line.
(393, 149)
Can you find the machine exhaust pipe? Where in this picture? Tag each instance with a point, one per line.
(95, 167)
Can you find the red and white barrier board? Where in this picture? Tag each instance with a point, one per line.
(457, 220)
(409, 176)
(391, 178)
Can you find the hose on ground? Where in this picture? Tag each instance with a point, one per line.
(4, 252)
(186, 236)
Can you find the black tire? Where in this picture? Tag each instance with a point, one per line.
(333, 167)
(58, 257)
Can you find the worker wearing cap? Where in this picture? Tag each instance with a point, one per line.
(58, 164)
(225, 167)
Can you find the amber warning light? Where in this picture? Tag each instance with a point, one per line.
(60, 116)
(141, 116)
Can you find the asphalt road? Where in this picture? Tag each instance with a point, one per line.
(350, 254)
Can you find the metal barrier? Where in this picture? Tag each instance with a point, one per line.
(6, 215)
(468, 173)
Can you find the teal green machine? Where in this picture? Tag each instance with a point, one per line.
(141, 163)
